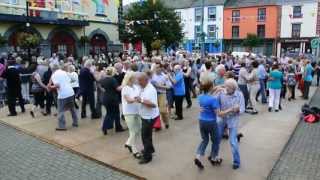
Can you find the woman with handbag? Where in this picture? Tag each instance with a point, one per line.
(38, 89)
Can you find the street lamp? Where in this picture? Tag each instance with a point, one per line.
(202, 31)
(27, 27)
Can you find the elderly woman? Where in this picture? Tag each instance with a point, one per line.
(187, 81)
(179, 90)
(109, 86)
(130, 109)
(275, 86)
(208, 123)
(231, 106)
(74, 81)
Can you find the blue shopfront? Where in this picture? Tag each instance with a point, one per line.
(211, 46)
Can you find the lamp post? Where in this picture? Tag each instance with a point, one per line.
(202, 31)
(27, 27)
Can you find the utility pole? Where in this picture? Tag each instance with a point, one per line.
(28, 26)
(202, 31)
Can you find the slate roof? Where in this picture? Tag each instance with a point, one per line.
(249, 3)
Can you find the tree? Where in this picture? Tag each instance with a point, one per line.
(252, 41)
(148, 21)
(28, 40)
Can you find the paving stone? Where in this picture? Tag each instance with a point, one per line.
(300, 158)
(23, 157)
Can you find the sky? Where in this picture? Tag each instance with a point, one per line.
(125, 2)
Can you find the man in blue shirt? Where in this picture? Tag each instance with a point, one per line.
(262, 74)
(307, 79)
(179, 90)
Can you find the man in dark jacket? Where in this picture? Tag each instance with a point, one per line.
(13, 88)
(86, 81)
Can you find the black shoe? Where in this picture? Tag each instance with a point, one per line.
(145, 161)
(235, 167)
(198, 163)
(250, 108)
(167, 126)
(120, 130)
(75, 125)
(257, 99)
(276, 110)
(280, 107)
(12, 114)
(105, 132)
(216, 162)
(61, 129)
(32, 114)
(239, 136)
(23, 110)
(189, 106)
(178, 119)
(128, 147)
(254, 112)
(157, 129)
(270, 109)
(225, 136)
(83, 116)
(95, 117)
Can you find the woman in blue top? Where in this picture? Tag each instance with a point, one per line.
(275, 86)
(208, 123)
(307, 78)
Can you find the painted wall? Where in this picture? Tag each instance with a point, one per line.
(248, 21)
(188, 21)
(308, 20)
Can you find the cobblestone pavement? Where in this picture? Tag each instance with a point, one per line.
(23, 157)
(300, 160)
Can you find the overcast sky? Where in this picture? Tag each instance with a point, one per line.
(125, 2)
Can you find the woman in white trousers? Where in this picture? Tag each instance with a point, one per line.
(130, 109)
(274, 85)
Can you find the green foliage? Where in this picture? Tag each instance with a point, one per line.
(252, 41)
(156, 45)
(149, 21)
(27, 40)
(3, 40)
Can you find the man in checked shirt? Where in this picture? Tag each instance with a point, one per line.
(231, 97)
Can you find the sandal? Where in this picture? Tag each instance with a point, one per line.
(216, 162)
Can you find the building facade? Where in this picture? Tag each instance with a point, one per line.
(212, 26)
(298, 26)
(247, 17)
(63, 26)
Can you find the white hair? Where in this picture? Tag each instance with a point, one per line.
(232, 83)
(88, 63)
(220, 67)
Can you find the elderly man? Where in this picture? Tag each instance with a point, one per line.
(61, 81)
(160, 82)
(232, 99)
(148, 112)
(263, 76)
(219, 79)
(179, 90)
(87, 88)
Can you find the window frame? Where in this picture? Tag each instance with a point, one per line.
(232, 31)
(196, 33)
(264, 31)
(260, 15)
(236, 19)
(294, 33)
(214, 35)
(215, 13)
(196, 14)
(295, 14)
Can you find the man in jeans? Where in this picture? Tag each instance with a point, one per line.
(61, 81)
(179, 90)
(148, 112)
(262, 73)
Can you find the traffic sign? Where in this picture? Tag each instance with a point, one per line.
(315, 43)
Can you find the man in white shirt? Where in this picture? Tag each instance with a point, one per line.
(62, 82)
(148, 112)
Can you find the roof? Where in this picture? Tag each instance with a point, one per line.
(183, 4)
(249, 3)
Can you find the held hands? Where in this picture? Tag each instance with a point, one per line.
(137, 99)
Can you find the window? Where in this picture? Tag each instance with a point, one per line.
(296, 28)
(261, 31)
(211, 31)
(236, 16)
(261, 14)
(211, 13)
(197, 32)
(179, 15)
(198, 14)
(235, 31)
(62, 49)
(297, 12)
(11, 1)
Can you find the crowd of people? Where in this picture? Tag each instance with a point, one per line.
(143, 91)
